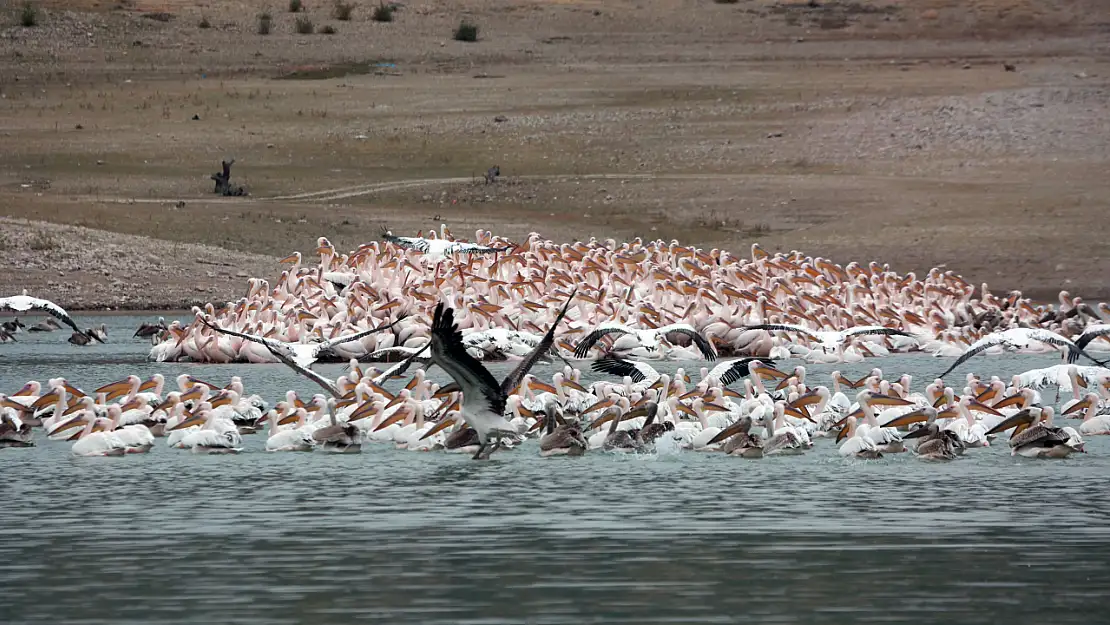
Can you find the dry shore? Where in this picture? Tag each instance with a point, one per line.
(970, 134)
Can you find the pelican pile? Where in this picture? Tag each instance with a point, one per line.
(647, 300)
(640, 411)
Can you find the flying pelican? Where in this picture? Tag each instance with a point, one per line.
(483, 407)
(832, 340)
(1021, 338)
(648, 338)
(23, 303)
(147, 330)
(438, 249)
(304, 354)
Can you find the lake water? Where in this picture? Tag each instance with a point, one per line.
(400, 537)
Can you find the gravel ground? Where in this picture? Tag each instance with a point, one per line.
(86, 269)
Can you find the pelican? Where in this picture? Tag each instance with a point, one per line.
(856, 443)
(304, 354)
(438, 249)
(1021, 338)
(560, 439)
(1033, 437)
(1094, 424)
(738, 440)
(23, 303)
(832, 341)
(649, 338)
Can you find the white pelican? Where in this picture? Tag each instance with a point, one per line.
(304, 354)
(1094, 424)
(23, 303)
(832, 341)
(649, 338)
(1020, 339)
(857, 444)
(438, 249)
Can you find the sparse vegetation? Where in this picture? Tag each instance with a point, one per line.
(382, 13)
(303, 26)
(466, 31)
(327, 30)
(295, 6)
(342, 10)
(265, 23)
(28, 16)
(42, 242)
(204, 23)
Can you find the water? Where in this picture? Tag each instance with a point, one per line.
(400, 537)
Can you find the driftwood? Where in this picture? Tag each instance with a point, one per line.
(223, 181)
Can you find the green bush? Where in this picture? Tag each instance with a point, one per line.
(304, 26)
(28, 17)
(382, 13)
(466, 32)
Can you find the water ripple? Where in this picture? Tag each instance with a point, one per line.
(397, 537)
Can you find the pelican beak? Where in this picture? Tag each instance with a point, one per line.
(683, 408)
(25, 391)
(605, 403)
(1020, 420)
(211, 387)
(889, 400)
(193, 393)
(442, 392)
(412, 383)
(290, 259)
(223, 400)
(917, 416)
(1006, 402)
(981, 407)
(149, 385)
(784, 383)
(1078, 406)
(714, 407)
(842, 434)
(74, 407)
(541, 386)
(727, 433)
(393, 402)
(689, 394)
(134, 404)
(857, 413)
(72, 423)
(537, 425)
(770, 372)
(442, 425)
(16, 406)
(363, 411)
(575, 385)
(733, 394)
(396, 417)
(1081, 382)
(806, 400)
(299, 403)
(526, 413)
(116, 389)
(190, 422)
(798, 414)
(918, 433)
(940, 401)
(603, 419)
(74, 391)
(45, 401)
(286, 420)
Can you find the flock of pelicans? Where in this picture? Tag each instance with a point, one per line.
(452, 304)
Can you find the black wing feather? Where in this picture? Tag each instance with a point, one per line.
(449, 353)
(513, 379)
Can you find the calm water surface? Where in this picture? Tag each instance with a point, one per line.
(399, 537)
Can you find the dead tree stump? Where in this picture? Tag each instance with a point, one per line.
(223, 181)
